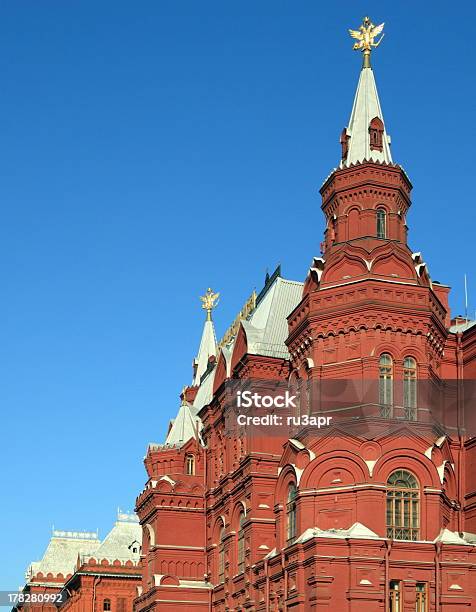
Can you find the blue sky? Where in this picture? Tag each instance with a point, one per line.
(150, 150)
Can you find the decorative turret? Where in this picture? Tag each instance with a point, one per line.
(368, 294)
(366, 200)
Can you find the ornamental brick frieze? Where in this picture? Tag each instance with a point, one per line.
(154, 498)
(301, 345)
(261, 366)
(338, 342)
(367, 197)
(370, 292)
(299, 314)
(146, 509)
(363, 322)
(368, 174)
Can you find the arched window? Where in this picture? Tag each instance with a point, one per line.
(190, 465)
(291, 511)
(381, 223)
(403, 501)
(410, 388)
(386, 385)
(241, 543)
(106, 605)
(221, 555)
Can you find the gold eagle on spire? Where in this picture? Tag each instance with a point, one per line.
(366, 35)
(209, 301)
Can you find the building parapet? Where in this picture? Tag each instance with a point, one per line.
(75, 535)
(108, 561)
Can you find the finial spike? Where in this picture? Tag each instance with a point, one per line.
(209, 302)
(365, 36)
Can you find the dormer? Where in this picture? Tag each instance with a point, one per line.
(135, 547)
(376, 134)
(344, 143)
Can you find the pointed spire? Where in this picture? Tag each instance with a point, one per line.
(185, 426)
(365, 138)
(208, 343)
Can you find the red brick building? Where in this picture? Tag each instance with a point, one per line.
(376, 511)
(87, 574)
(381, 518)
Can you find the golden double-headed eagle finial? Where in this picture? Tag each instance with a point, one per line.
(366, 35)
(209, 302)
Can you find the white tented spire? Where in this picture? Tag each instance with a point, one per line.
(185, 426)
(208, 347)
(366, 108)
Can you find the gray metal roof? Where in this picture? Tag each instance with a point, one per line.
(267, 328)
(66, 547)
(121, 541)
(62, 552)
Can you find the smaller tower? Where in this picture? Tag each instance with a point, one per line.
(171, 507)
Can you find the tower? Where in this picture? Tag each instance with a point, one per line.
(171, 506)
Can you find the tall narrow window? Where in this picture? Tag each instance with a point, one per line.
(221, 556)
(241, 543)
(333, 229)
(106, 605)
(394, 596)
(381, 223)
(421, 597)
(403, 506)
(386, 385)
(300, 397)
(121, 604)
(294, 385)
(291, 511)
(410, 388)
(190, 465)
